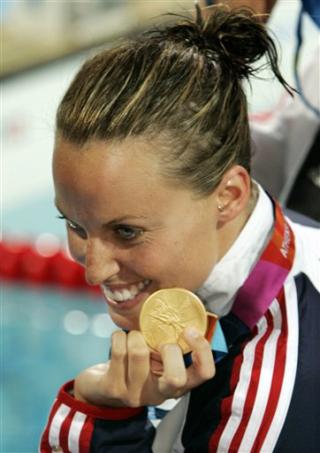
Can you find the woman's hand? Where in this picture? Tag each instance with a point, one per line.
(127, 380)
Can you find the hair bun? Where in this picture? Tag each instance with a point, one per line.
(235, 39)
(239, 39)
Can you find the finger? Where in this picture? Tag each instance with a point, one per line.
(156, 364)
(174, 376)
(118, 361)
(203, 367)
(138, 363)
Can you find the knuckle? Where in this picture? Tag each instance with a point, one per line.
(139, 354)
(132, 401)
(176, 382)
(137, 348)
(203, 352)
(203, 345)
(114, 391)
(207, 373)
(118, 353)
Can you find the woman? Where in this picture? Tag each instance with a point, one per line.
(152, 176)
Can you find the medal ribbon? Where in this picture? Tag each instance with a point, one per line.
(262, 285)
(268, 275)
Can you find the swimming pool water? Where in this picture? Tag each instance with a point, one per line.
(47, 337)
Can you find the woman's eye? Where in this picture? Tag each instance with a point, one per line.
(71, 225)
(128, 233)
(74, 227)
(77, 229)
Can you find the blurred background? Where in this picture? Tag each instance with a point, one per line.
(52, 325)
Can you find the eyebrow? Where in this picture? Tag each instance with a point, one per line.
(119, 220)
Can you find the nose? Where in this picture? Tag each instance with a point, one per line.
(100, 261)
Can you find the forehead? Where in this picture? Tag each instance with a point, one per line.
(104, 161)
(117, 173)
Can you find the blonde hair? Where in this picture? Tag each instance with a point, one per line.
(180, 85)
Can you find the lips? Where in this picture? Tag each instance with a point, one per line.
(131, 297)
(124, 294)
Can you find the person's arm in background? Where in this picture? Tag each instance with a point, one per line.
(263, 7)
(282, 138)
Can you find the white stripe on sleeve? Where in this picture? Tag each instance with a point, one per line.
(75, 431)
(56, 423)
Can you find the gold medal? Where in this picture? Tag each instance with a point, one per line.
(167, 312)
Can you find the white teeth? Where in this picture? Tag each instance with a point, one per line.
(133, 290)
(107, 292)
(118, 295)
(125, 294)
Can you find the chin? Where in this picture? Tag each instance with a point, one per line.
(125, 323)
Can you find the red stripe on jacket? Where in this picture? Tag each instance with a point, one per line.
(277, 378)
(64, 432)
(86, 435)
(253, 386)
(226, 404)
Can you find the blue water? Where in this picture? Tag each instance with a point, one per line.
(47, 337)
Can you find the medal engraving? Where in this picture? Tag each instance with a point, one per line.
(167, 312)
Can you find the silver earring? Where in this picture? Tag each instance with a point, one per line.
(220, 207)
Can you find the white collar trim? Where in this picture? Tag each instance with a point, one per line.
(228, 275)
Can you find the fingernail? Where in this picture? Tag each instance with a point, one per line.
(192, 332)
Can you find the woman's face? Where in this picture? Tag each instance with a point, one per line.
(132, 230)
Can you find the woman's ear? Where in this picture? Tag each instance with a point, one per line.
(233, 194)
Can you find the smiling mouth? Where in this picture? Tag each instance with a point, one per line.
(125, 294)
